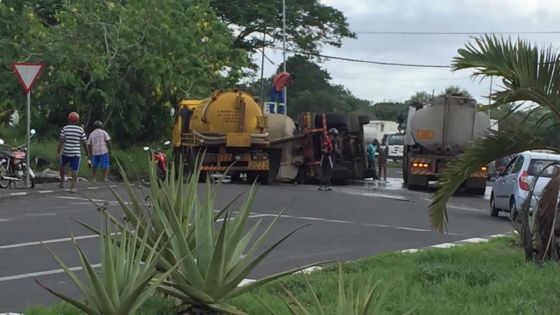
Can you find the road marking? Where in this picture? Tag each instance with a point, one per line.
(466, 209)
(46, 191)
(5, 220)
(444, 245)
(56, 240)
(411, 229)
(41, 273)
(78, 198)
(40, 214)
(475, 240)
(18, 194)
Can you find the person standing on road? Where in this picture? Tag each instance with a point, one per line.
(99, 143)
(382, 158)
(326, 163)
(69, 151)
(371, 150)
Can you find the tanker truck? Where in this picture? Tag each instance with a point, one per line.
(228, 131)
(435, 134)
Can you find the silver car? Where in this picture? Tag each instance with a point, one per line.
(512, 186)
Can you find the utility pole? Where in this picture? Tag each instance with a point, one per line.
(284, 53)
(262, 71)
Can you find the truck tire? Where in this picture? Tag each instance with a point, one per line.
(261, 177)
(334, 120)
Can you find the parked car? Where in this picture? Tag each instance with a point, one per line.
(512, 186)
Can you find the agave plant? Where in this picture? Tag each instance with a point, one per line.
(127, 277)
(355, 301)
(214, 250)
(528, 74)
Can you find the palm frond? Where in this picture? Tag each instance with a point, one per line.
(498, 144)
(528, 73)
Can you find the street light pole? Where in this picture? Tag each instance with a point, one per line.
(284, 53)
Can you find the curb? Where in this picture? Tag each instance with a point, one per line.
(474, 240)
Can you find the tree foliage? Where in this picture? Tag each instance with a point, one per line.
(104, 61)
(311, 90)
(529, 74)
(310, 24)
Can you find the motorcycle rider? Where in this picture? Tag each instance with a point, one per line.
(326, 163)
(69, 151)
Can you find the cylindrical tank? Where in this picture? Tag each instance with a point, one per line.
(280, 127)
(448, 125)
(228, 112)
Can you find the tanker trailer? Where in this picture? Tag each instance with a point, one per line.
(437, 134)
(228, 131)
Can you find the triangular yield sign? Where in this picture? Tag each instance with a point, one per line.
(27, 73)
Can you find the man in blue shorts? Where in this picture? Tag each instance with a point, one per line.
(69, 151)
(98, 143)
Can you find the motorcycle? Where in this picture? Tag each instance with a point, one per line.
(160, 160)
(13, 166)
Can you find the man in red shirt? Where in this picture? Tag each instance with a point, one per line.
(280, 81)
(327, 163)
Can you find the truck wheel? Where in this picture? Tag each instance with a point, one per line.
(262, 178)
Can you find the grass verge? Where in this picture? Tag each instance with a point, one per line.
(490, 278)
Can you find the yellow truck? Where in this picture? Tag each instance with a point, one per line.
(227, 131)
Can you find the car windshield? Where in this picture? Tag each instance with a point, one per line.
(536, 166)
(395, 140)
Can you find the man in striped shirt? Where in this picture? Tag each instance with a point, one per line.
(69, 150)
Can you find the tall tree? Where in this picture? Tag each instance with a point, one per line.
(309, 23)
(106, 62)
(312, 91)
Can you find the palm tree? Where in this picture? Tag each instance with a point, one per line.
(528, 74)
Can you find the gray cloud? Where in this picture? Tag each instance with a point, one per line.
(378, 83)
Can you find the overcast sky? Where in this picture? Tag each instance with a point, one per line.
(377, 83)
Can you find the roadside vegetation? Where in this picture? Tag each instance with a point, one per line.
(490, 278)
(530, 77)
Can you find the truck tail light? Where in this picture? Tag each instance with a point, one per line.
(524, 182)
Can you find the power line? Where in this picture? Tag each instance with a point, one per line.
(381, 63)
(452, 33)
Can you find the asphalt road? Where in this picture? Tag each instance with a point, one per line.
(347, 223)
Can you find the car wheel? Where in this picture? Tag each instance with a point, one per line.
(513, 213)
(493, 210)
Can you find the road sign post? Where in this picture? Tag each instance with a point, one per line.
(28, 73)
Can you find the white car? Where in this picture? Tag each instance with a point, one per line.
(512, 186)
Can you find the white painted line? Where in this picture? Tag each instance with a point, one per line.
(56, 240)
(475, 240)
(310, 269)
(5, 220)
(245, 282)
(40, 214)
(411, 229)
(41, 273)
(46, 191)
(467, 209)
(78, 198)
(412, 250)
(444, 245)
(10, 313)
(18, 194)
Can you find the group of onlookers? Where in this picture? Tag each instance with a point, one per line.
(380, 152)
(72, 138)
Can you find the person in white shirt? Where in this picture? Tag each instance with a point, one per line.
(99, 143)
